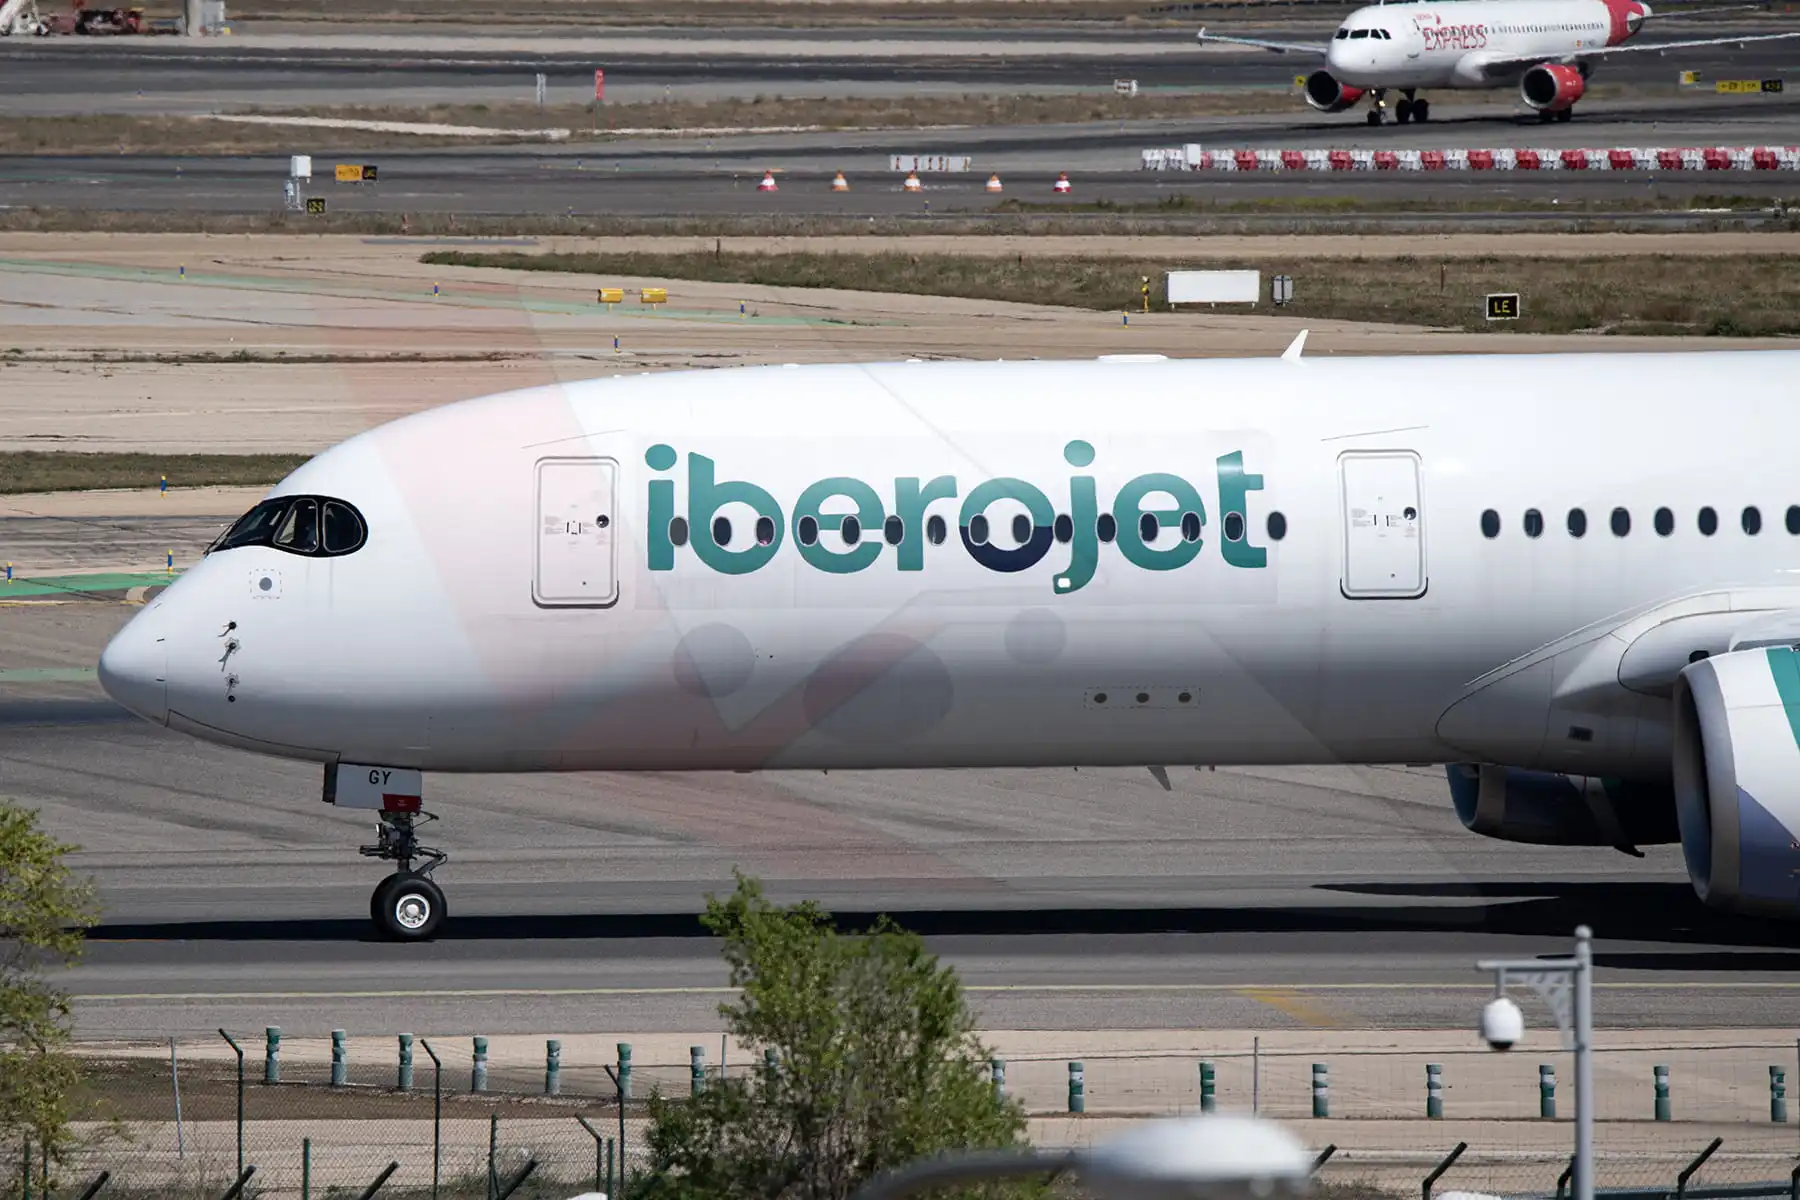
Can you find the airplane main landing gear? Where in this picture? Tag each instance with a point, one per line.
(407, 906)
(1411, 108)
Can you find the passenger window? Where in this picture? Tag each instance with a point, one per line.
(1709, 522)
(850, 530)
(1534, 523)
(256, 527)
(1665, 522)
(1190, 526)
(1752, 521)
(765, 531)
(893, 531)
(1277, 526)
(807, 530)
(1106, 527)
(1234, 527)
(1793, 518)
(978, 529)
(300, 529)
(936, 531)
(1577, 523)
(1148, 527)
(1621, 522)
(678, 531)
(343, 528)
(1490, 524)
(1022, 529)
(1064, 528)
(721, 531)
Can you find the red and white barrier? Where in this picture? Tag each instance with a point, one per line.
(1683, 158)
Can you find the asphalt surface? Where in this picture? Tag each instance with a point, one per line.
(1069, 900)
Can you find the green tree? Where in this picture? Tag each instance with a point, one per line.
(44, 910)
(877, 1062)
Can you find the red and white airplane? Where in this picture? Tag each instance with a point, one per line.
(1547, 48)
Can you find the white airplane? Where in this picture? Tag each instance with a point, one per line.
(1572, 575)
(1547, 48)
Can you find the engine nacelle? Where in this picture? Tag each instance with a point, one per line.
(1547, 809)
(1550, 87)
(1326, 94)
(1737, 779)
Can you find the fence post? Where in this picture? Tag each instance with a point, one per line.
(696, 1070)
(1663, 1108)
(1681, 1181)
(305, 1169)
(340, 1061)
(552, 1067)
(1321, 1090)
(1778, 1095)
(493, 1180)
(478, 1067)
(609, 1168)
(1546, 1091)
(624, 1080)
(437, 1114)
(1209, 1098)
(239, 1050)
(272, 1054)
(599, 1144)
(1077, 1088)
(1434, 1091)
(175, 1082)
(1449, 1161)
(403, 1080)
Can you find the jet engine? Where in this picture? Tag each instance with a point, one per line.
(1737, 779)
(1326, 94)
(1547, 87)
(1548, 809)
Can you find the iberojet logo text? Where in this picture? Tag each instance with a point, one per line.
(1171, 541)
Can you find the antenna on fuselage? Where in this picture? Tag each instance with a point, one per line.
(1292, 353)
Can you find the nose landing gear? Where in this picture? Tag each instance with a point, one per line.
(407, 906)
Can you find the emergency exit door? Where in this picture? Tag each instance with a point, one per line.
(577, 533)
(1384, 526)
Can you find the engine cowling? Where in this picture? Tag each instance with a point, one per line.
(1325, 93)
(1737, 779)
(1547, 809)
(1551, 87)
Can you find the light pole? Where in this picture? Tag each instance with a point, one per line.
(1220, 1157)
(1567, 986)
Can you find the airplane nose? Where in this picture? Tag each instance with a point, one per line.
(134, 667)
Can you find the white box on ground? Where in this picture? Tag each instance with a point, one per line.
(1191, 154)
(300, 166)
(1214, 287)
(1125, 87)
(390, 789)
(941, 163)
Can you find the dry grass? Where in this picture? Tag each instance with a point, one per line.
(1731, 296)
(577, 14)
(62, 471)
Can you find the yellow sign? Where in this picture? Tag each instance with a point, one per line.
(1751, 87)
(315, 206)
(612, 295)
(1299, 81)
(349, 173)
(653, 296)
(1689, 77)
(1503, 306)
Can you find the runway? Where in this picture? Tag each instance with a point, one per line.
(1068, 900)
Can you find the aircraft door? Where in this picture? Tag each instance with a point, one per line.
(576, 559)
(1384, 526)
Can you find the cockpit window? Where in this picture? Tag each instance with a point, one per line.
(309, 525)
(1359, 33)
(1342, 34)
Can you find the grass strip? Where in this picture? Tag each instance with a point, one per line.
(71, 471)
(1728, 296)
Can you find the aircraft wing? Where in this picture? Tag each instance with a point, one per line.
(1502, 66)
(1314, 48)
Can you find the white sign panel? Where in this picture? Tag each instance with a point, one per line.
(385, 789)
(951, 163)
(1214, 287)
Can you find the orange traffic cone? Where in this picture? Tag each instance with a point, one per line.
(993, 183)
(912, 183)
(768, 183)
(1062, 183)
(839, 183)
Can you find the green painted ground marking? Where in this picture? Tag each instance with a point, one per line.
(46, 675)
(59, 585)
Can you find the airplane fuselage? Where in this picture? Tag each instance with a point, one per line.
(1459, 44)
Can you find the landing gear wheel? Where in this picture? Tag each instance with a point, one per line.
(1421, 110)
(408, 907)
(1374, 116)
(1403, 112)
(1567, 114)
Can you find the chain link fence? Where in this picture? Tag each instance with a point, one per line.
(469, 1117)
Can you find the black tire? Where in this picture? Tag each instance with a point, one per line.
(1374, 116)
(407, 908)
(1421, 110)
(1403, 112)
(1567, 114)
